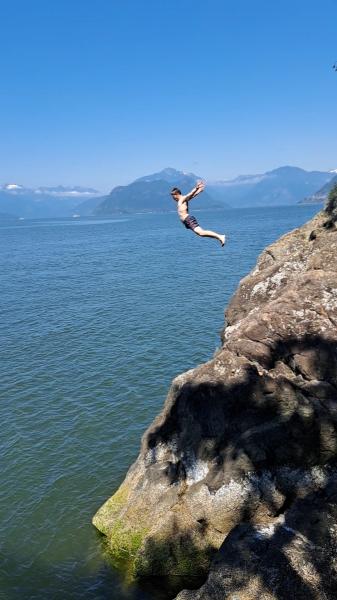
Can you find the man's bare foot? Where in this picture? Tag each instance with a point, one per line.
(222, 240)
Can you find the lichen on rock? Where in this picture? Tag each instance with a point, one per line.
(246, 443)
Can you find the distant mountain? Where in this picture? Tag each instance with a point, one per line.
(41, 202)
(172, 176)
(152, 194)
(282, 186)
(86, 208)
(321, 195)
(61, 191)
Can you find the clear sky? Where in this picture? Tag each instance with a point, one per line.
(99, 92)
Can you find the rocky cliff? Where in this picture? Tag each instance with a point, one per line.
(236, 476)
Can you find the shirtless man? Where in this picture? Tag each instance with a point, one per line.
(189, 221)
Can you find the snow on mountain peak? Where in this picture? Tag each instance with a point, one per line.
(13, 186)
(57, 191)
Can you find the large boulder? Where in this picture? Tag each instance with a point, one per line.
(293, 558)
(245, 438)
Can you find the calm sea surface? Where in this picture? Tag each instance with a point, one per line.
(97, 317)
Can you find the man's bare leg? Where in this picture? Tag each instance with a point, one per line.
(207, 233)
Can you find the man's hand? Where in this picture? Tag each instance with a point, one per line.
(199, 187)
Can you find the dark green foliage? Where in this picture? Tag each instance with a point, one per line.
(331, 205)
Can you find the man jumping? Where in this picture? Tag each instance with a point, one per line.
(189, 221)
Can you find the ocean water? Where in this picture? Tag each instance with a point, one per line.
(97, 317)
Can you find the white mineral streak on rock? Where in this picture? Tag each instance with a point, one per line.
(162, 452)
(270, 284)
(317, 475)
(278, 278)
(232, 490)
(231, 328)
(261, 287)
(266, 532)
(329, 299)
(196, 471)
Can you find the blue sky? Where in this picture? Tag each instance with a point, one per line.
(101, 92)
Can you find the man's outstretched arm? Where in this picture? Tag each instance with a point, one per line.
(196, 190)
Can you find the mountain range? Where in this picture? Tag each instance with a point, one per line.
(321, 195)
(151, 193)
(41, 202)
(283, 186)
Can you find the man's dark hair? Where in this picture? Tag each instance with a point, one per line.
(175, 190)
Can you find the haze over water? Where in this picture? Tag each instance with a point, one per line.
(97, 318)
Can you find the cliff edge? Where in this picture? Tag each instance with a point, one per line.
(236, 476)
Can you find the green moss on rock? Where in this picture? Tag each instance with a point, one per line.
(178, 557)
(105, 518)
(121, 549)
(124, 543)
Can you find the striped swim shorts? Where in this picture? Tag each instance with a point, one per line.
(190, 222)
